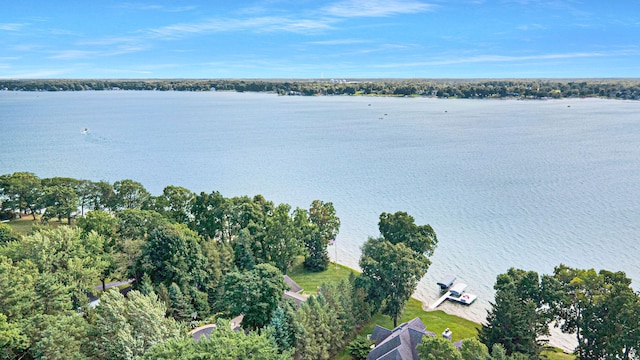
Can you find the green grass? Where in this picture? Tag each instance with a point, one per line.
(24, 225)
(436, 321)
(310, 281)
(557, 354)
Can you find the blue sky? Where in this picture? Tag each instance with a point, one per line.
(320, 39)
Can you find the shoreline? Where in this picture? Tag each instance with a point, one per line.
(477, 313)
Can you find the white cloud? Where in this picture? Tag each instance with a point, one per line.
(266, 23)
(503, 58)
(12, 26)
(531, 27)
(72, 54)
(155, 7)
(34, 74)
(339, 42)
(376, 8)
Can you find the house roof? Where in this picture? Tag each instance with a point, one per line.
(201, 331)
(399, 343)
(293, 286)
(205, 330)
(296, 297)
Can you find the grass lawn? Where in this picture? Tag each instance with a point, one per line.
(436, 321)
(25, 224)
(310, 281)
(557, 354)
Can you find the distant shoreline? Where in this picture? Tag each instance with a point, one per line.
(526, 89)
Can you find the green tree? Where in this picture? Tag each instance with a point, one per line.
(103, 196)
(12, 341)
(401, 228)
(517, 319)
(67, 262)
(99, 221)
(60, 337)
(125, 328)
(601, 308)
(255, 293)
(223, 343)
(242, 250)
(313, 341)
(22, 190)
(181, 308)
(359, 348)
(176, 203)
(473, 349)
(437, 348)
(60, 201)
(282, 242)
(7, 234)
(87, 191)
(325, 226)
(391, 269)
(129, 194)
(138, 224)
(208, 212)
(17, 289)
(282, 333)
(173, 254)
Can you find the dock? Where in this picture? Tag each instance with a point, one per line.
(455, 293)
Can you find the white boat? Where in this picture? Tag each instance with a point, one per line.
(84, 131)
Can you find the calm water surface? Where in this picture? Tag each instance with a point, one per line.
(505, 183)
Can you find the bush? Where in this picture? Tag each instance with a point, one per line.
(359, 348)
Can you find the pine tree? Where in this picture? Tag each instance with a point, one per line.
(181, 308)
(281, 330)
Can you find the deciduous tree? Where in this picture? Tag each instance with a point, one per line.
(437, 348)
(325, 226)
(255, 293)
(393, 264)
(601, 308)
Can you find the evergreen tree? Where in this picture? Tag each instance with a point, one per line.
(181, 308)
(146, 286)
(516, 319)
(281, 331)
(125, 328)
(359, 348)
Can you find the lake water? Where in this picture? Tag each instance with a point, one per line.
(504, 183)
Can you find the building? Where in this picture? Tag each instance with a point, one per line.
(294, 292)
(399, 343)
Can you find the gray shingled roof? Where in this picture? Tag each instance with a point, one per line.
(399, 343)
(299, 299)
(293, 286)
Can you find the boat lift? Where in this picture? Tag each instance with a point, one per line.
(455, 293)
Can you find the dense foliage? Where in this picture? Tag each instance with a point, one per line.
(442, 88)
(200, 258)
(600, 308)
(393, 263)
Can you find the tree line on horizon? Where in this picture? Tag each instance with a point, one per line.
(203, 258)
(442, 88)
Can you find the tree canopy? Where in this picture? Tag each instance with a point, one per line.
(393, 264)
